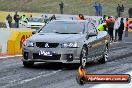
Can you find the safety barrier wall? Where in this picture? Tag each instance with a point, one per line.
(11, 40)
(14, 44)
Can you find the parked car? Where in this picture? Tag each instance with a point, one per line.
(34, 23)
(66, 41)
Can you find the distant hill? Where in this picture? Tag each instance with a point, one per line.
(70, 6)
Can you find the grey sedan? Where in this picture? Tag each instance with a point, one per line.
(66, 41)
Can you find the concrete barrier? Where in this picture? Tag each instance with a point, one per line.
(4, 35)
(13, 35)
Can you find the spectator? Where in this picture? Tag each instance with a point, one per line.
(122, 8)
(116, 27)
(127, 24)
(130, 12)
(80, 17)
(61, 7)
(120, 30)
(96, 9)
(53, 18)
(118, 9)
(24, 19)
(110, 25)
(100, 9)
(45, 18)
(16, 18)
(9, 20)
(104, 19)
(102, 27)
(30, 18)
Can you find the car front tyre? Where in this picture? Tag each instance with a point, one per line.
(83, 56)
(105, 56)
(28, 64)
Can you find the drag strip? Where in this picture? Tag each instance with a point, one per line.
(45, 75)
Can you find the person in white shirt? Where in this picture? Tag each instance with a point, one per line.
(116, 27)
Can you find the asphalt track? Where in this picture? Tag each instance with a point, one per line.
(45, 75)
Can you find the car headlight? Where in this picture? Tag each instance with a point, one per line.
(28, 44)
(69, 45)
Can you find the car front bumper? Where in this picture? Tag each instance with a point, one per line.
(63, 55)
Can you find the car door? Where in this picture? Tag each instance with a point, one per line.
(92, 42)
(99, 42)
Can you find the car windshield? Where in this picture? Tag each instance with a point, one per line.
(35, 19)
(64, 27)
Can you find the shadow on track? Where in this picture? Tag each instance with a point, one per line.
(57, 66)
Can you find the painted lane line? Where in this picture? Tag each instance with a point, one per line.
(13, 83)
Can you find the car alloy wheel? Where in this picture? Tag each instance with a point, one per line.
(106, 54)
(83, 57)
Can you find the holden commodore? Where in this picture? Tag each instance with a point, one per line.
(66, 41)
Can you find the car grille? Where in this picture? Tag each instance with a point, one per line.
(53, 57)
(44, 45)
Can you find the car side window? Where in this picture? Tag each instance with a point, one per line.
(91, 28)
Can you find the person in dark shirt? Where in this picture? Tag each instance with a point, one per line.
(9, 19)
(61, 7)
(120, 30)
(16, 18)
(52, 18)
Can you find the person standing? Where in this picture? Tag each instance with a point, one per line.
(118, 9)
(24, 19)
(30, 18)
(61, 7)
(120, 30)
(96, 6)
(100, 9)
(16, 18)
(110, 25)
(127, 23)
(130, 12)
(9, 20)
(116, 27)
(104, 19)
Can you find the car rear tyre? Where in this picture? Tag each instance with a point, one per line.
(28, 64)
(83, 56)
(105, 56)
